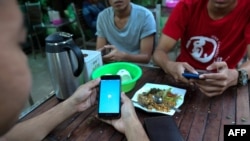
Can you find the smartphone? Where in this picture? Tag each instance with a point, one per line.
(190, 75)
(105, 51)
(109, 100)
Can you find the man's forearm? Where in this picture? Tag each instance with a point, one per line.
(136, 132)
(37, 128)
(139, 58)
(161, 59)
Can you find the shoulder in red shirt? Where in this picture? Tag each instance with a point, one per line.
(203, 39)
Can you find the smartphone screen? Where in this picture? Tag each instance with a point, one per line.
(109, 105)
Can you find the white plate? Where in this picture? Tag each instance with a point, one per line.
(174, 90)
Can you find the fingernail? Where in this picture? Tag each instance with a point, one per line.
(201, 76)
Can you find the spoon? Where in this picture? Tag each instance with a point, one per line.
(159, 100)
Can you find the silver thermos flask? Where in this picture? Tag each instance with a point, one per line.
(65, 62)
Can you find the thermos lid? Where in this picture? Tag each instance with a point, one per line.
(58, 37)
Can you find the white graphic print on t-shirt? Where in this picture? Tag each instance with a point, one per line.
(202, 49)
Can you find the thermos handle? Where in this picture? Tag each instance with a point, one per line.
(79, 56)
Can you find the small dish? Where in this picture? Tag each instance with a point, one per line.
(179, 91)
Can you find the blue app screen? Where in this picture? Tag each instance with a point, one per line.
(109, 96)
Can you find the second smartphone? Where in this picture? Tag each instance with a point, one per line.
(190, 75)
(109, 101)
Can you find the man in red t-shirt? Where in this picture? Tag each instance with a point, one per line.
(215, 35)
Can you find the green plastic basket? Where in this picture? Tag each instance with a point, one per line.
(112, 68)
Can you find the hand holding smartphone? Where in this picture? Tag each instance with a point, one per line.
(105, 51)
(109, 102)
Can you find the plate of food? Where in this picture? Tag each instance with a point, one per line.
(145, 98)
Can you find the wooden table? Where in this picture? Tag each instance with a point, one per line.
(201, 118)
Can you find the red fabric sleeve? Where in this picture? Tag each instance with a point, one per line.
(175, 25)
